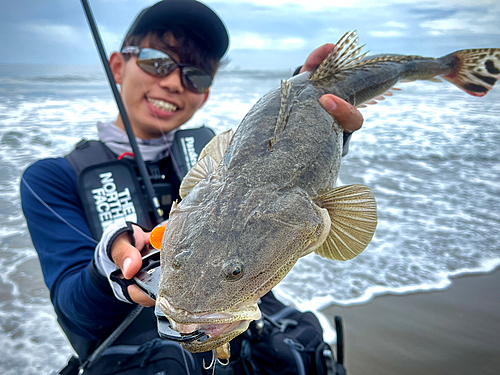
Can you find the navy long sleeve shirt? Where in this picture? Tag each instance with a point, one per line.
(62, 238)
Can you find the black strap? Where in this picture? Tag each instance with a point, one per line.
(111, 338)
(123, 283)
(87, 153)
(130, 232)
(71, 367)
(187, 146)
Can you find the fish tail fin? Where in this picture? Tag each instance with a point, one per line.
(353, 214)
(475, 71)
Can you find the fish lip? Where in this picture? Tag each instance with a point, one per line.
(212, 330)
(247, 310)
(217, 340)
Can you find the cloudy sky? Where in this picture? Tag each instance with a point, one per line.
(265, 34)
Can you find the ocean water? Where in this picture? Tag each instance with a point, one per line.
(430, 154)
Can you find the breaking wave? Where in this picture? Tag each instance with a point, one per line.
(430, 155)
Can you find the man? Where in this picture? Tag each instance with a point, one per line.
(164, 69)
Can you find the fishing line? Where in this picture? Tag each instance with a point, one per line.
(185, 360)
(55, 213)
(152, 198)
(133, 143)
(164, 134)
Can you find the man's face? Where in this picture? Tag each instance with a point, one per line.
(155, 105)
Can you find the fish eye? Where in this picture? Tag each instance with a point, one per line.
(236, 271)
(233, 271)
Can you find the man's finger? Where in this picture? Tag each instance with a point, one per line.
(138, 296)
(316, 57)
(130, 262)
(346, 115)
(141, 237)
(126, 256)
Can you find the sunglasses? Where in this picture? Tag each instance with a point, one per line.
(159, 64)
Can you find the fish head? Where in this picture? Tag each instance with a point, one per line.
(218, 258)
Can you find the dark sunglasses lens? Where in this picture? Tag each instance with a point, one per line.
(155, 62)
(159, 64)
(195, 79)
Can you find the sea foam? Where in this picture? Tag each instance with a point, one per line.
(429, 153)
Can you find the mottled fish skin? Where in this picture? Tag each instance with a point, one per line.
(255, 212)
(267, 197)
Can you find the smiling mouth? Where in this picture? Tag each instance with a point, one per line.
(163, 105)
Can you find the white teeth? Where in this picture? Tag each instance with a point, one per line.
(165, 106)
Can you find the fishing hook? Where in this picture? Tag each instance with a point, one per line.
(223, 363)
(214, 362)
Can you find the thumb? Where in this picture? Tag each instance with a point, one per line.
(346, 114)
(125, 256)
(131, 264)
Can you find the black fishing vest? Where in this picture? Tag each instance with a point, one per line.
(111, 189)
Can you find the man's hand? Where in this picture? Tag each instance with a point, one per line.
(129, 259)
(346, 115)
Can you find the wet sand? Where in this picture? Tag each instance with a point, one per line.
(454, 331)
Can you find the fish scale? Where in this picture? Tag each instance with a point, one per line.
(263, 196)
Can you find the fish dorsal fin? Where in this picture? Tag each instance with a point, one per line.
(209, 159)
(345, 55)
(353, 215)
(283, 113)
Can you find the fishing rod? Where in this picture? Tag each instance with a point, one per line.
(150, 284)
(153, 199)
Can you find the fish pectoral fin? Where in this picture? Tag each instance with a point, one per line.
(353, 214)
(218, 146)
(209, 159)
(198, 172)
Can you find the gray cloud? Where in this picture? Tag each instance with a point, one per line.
(56, 31)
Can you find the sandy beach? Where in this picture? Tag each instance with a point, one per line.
(454, 331)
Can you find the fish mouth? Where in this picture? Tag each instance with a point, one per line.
(212, 330)
(220, 327)
(218, 335)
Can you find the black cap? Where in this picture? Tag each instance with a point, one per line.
(195, 17)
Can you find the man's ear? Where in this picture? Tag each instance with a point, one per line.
(117, 65)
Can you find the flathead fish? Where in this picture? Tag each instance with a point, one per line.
(262, 197)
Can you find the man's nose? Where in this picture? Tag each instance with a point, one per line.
(173, 81)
